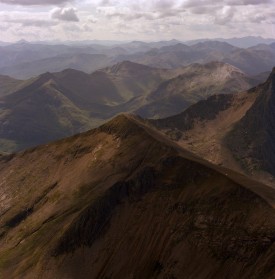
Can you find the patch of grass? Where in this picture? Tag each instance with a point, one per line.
(7, 146)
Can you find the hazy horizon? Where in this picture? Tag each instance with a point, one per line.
(122, 20)
(128, 41)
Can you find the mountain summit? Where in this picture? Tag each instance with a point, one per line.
(122, 201)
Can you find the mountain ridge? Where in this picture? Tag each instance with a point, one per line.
(74, 218)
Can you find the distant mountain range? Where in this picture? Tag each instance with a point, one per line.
(25, 60)
(252, 61)
(244, 42)
(82, 62)
(236, 131)
(57, 105)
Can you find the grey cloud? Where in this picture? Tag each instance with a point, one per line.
(258, 18)
(261, 17)
(247, 2)
(105, 3)
(35, 2)
(156, 11)
(163, 4)
(65, 14)
(92, 19)
(203, 10)
(133, 16)
(36, 23)
(143, 15)
(224, 16)
(24, 22)
(199, 3)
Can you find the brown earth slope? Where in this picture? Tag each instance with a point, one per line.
(122, 201)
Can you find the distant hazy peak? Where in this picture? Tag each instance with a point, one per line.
(128, 66)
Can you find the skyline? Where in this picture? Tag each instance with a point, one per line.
(123, 20)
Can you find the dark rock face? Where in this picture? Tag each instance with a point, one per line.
(269, 145)
(253, 138)
(199, 111)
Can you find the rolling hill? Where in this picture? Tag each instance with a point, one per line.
(122, 201)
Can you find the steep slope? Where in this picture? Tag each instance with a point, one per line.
(194, 83)
(236, 131)
(121, 201)
(255, 132)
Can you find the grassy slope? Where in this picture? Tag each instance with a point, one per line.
(8, 85)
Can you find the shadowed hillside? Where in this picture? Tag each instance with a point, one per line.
(256, 131)
(236, 131)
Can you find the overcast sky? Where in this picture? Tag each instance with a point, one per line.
(135, 19)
